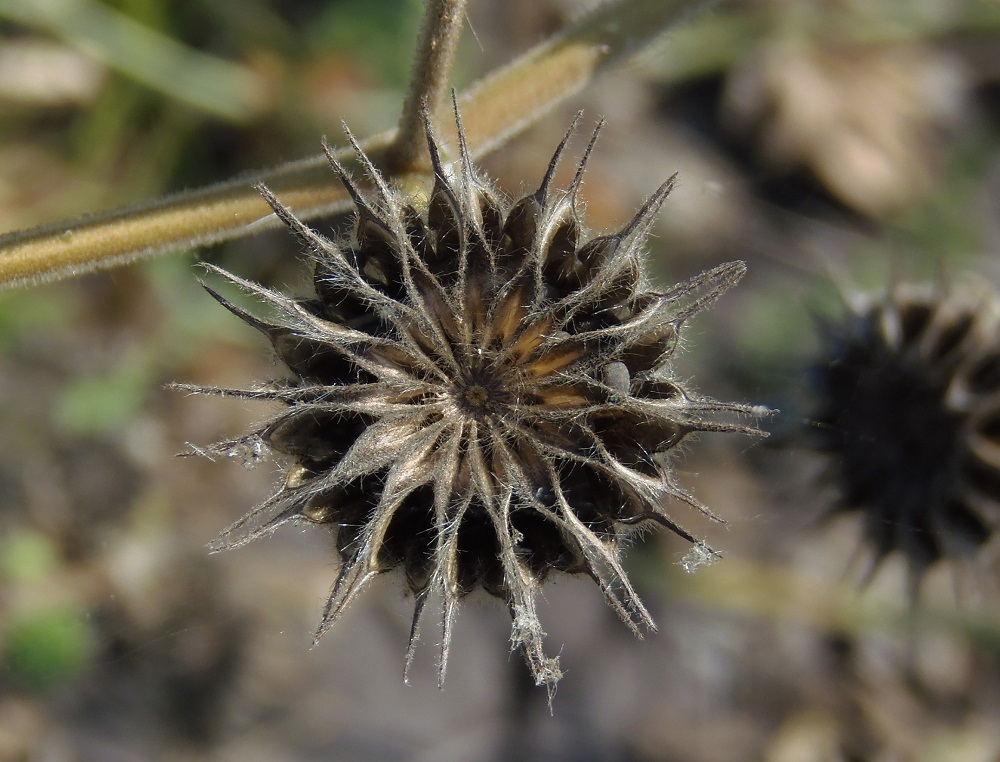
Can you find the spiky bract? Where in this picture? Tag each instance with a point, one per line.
(479, 395)
(909, 411)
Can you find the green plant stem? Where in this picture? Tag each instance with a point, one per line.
(495, 109)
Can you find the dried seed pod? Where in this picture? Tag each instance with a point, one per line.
(479, 396)
(908, 410)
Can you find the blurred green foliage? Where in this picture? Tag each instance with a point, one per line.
(383, 36)
(47, 647)
(27, 556)
(103, 403)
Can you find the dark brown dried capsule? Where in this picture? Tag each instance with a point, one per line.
(909, 411)
(479, 396)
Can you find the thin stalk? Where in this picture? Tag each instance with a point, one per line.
(217, 213)
(494, 110)
(516, 96)
(429, 82)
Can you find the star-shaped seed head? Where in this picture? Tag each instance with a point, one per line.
(908, 408)
(479, 395)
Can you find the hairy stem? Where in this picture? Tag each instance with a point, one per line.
(429, 81)
(512, 98)
(220, 212)
(495, 109)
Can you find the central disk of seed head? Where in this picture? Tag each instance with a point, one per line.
(482, 388)
(476, 396)
(479, 396)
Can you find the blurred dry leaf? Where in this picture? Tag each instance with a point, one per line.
(22, 724)
(867, 121)
(808, 736)
(47, 74)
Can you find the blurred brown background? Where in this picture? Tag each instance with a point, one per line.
(822, 141)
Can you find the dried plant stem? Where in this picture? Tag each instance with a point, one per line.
(220, 212)
(498, 107)
(512, 98)
(429, 81)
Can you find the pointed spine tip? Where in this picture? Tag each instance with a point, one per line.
(543, 188)
(574, 186)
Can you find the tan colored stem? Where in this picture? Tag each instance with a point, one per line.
(217, 213)
(496, 108)
(429, 82)
(512, 98)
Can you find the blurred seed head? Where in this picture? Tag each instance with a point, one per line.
(479, 395)
(908, 409)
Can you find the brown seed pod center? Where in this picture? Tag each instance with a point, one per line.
(476, 395)
(481, 393)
